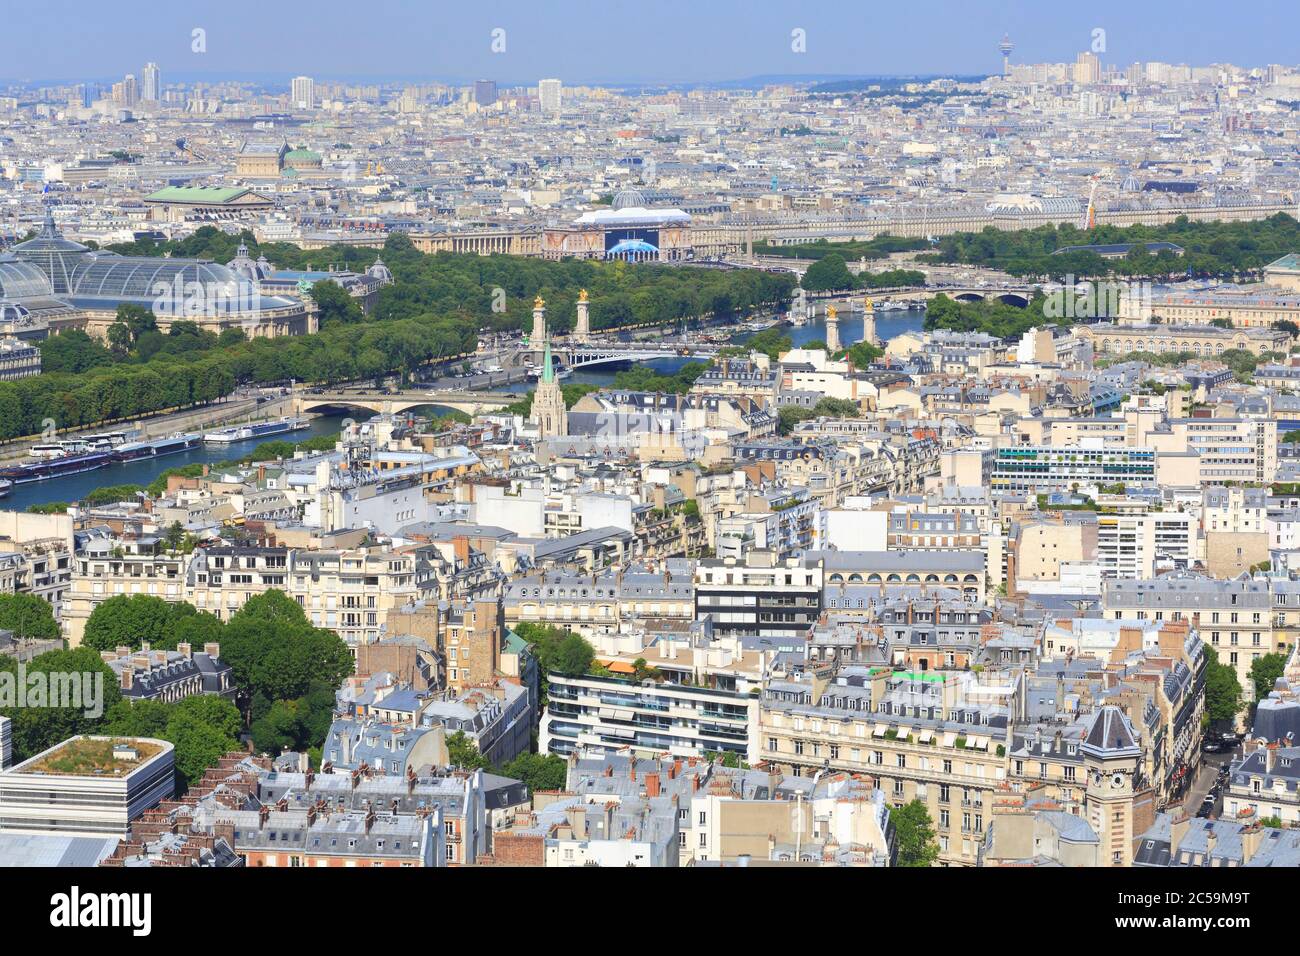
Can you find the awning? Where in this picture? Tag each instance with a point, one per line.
(904, 733)
(879, 731)
(925, 736)
(949, 739)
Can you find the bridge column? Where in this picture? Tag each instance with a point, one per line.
(582, 330)
(538, 339)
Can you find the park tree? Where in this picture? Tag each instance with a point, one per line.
(335, 304)
(1264, 672)
(464, 753)
(828, 274)
(538, 771)
(1222, 691)
(37, 727)
(914, 834)
(202, 729)
(28, 616)
(275, 653)
(126, 620)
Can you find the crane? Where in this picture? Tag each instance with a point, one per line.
(1090, 214)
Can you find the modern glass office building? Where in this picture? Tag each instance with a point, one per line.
(1041, 469)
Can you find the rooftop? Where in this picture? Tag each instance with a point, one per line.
(94, 757)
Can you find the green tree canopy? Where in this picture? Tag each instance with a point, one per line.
(1222, 691)
(1264, 672)
(538, 771)
(28, 615)
(914, 833)
(126, 620)
(828, 274)
(37, 728)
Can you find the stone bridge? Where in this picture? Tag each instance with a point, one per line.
(471, 403)
(1012, 295)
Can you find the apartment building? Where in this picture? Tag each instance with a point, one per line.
(763, 597)
(1237, 616)
(603, 602)
(1265, 783)
(351, 591)
(938, 737)
(591, 831)
(104, 568)
(729, 815)
(1229, 449)
(1130, 545)
(587, 714)
(962, 571)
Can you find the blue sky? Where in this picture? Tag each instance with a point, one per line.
(582, 41)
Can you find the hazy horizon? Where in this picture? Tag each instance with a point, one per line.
(616, 42)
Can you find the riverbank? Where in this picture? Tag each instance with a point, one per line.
(219, 414)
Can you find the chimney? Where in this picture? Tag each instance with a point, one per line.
(263, 814)
(370, 819)
(1177, 830)
(186, 650)
(652, 785)
(128, 676)
(308, 780)
(122, 650)
(1251, 837)
(460, 547)
(145, 647)
(213, 650)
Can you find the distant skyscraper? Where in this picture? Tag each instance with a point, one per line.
(1005, 47)
(1087, 68)
(151, 82)
(549, 93)
(485, 92)
(127, 93)
(303, 93)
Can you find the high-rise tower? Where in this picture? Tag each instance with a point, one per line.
(1005, 48)
(151, 83)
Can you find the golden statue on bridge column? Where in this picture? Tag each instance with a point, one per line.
(582, 295)
(539, 303)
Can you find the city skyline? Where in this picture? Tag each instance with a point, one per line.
(731, 42)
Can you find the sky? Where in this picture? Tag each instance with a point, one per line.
(619, 41)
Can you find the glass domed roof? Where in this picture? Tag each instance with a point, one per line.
(629, 199)
(56, 256)
(169, 286)
(22, 280)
